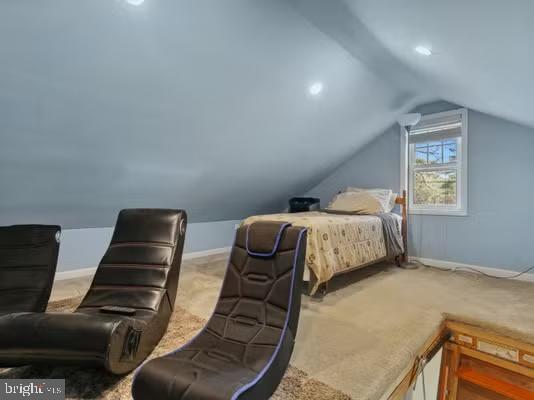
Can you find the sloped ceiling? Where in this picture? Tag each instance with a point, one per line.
(483, 50)
(199, 104)
(204, 104)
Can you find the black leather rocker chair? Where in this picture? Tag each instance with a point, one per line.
(28, 260)
(244, 350)
(126, 310)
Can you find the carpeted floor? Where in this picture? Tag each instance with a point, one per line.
(93, 383)
(362, 338)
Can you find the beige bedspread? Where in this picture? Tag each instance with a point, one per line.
(335, 242)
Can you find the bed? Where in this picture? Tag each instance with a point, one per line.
(340, 243)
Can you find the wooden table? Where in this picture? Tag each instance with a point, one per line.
(481, 365)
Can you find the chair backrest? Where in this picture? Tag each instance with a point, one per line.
(141, 266)
(262, 285)
(28, 260)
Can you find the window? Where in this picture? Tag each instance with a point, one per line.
(437, 164)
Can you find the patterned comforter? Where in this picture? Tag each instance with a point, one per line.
(336, 242)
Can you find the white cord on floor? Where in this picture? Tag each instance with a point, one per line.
(477, 271)
(423, 380)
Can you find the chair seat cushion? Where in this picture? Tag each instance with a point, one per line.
(192, 374)
(60, 337)
(208, 368)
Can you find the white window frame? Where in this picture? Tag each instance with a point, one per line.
(462, 174)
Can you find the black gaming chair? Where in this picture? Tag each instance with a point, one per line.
(126, 310)
(245, 348)
(28, 260)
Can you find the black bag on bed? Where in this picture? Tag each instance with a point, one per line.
(301, 204)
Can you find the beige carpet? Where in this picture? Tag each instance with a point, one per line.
(93, 383)
(362, 338)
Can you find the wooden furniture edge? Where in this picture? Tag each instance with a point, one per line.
(498, 362)
(495, 385)
(403, 202)
(488, 334)
(439, 338)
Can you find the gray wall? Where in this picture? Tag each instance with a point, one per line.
(498, 229)
(83, 248)
(376, 165)
(195, 104)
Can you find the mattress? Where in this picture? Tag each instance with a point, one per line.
(336, 243)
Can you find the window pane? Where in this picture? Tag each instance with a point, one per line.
(421, 156)
(421, 146)
(449, 151)
(435, 188)
(436, 152)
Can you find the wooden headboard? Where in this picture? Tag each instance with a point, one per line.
(403, 202)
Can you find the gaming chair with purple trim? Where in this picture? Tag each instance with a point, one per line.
(244, 350)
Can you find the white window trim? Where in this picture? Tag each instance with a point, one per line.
(462, 170)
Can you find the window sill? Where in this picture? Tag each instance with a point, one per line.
(446, 213)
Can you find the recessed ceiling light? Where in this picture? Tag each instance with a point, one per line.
(423, 50)
(316, 88)
(135, 2)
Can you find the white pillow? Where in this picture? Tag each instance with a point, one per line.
(386, 196)
(361, 202)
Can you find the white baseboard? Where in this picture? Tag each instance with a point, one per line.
(84, 272)
(75, 273)
(205, 253)
(497, 272)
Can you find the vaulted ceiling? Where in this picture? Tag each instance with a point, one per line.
(205, 104)
(483, 51)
